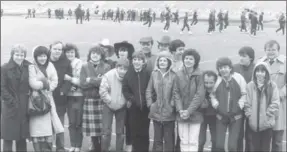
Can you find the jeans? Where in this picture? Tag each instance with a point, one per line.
(211, 122)
(60, 139)
(21, 145)
(260, 141)
(233, 136)
(120, 116)
(163, 136)
(75, 114)
(277, 140)
(188, 133)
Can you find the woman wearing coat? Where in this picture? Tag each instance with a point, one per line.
(159, 95)
(90, 80)
(43, 77)
(189, 95)
(14, 100)
(261, 106)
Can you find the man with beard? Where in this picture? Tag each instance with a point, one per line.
(146, 46)
(79, 14)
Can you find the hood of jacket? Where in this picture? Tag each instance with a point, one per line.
(268, 74)
(166, 55)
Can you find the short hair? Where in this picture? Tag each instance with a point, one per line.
(54, 43)
(223, 61)
(139, 54)
(176, 44)
(248, 51)
(39, 50)
(18, 48)
(97, 49)
(270, 43)
(70, 46)
(210, 73)
(195, 54)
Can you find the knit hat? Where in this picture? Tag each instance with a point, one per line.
(123, 62)
(139, 54)
(125, 44)
(248, 51)
(176, 44)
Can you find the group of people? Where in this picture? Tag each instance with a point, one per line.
(168, 88)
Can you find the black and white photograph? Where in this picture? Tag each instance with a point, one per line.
(143, 76)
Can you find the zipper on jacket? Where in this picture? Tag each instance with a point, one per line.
(258, 108)
(140, 90)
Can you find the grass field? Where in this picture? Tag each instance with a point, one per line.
(34, 32)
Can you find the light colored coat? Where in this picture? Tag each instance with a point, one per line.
(278, 75)
(43, 125)
(111, 90)
(76, 65)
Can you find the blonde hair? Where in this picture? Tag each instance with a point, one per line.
(18, 48)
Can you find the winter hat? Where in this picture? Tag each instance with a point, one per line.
(139, 54)
(165, 40)
(123, 62)
(105, 43)
(176, 44)
(248, 51)
(124, 44)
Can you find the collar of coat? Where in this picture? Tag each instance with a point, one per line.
(280, 58)
(12, 64)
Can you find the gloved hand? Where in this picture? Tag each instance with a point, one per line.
(231, 117)
(45, 84)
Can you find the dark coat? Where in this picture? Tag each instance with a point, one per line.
(14, 99)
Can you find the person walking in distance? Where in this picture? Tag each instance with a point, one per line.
(117, 15)
(220, 20)
(254, 23)
(260, 22)
(185, 24)
(226, 20)
(79, 14)
(282, 23)
(87, 15)
(167, 20)
(243, 22)
(149, 18)
(194, 18)
(49, 13)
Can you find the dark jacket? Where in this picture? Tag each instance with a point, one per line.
(134, 86)
(254, 21)
(91, 89)
(246, 72)
(14, 99)
(62, 66)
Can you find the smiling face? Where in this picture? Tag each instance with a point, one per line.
(245, 59)
(189, 61)
(42, 59)
(123, 53)
(225, 71)
(95, 57)
(163, 63)
(272, 51)
(19, 57)
(138, 63)
(71, 54)
(56, 50)
(209, 82)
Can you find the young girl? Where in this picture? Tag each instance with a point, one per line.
(75, 98)
(43, 77)
(90, 80)
(261, 107)
(162, 109)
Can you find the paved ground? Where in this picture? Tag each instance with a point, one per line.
(34, 32)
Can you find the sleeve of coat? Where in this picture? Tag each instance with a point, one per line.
(76, 77)
(198, 97)
(248, 103)
(242, 84)
(33, 80)
(273, 107)
(53, 81)
(56, 122)
(104, 90)
(66, 87)
(126, 89)
(6, 97)
(149, 92)
(96, 81)
(176, 95)
(83, 76)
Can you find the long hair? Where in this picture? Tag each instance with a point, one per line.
(97, 49)
(70, 46)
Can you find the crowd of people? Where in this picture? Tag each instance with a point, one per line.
(168, 88)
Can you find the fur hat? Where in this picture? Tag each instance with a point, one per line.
(124, 44)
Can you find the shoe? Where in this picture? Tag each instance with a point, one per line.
(72, 149)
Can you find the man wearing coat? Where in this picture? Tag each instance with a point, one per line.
(14, 100)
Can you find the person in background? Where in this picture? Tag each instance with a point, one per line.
(228, 98)
(262, 104)
(226, 20)
(164, 43)
(159, 96)
(75, 98)
(260, 22)
(194, 18)
(109, 52)
(90, 80)
(282, 23)
(254, 23)
(124, 50)
(146, 46)
(243, 22)
(114, 104)
(209, 113)
(245, 67)
(43, 78)
(185, 24)
(189, 94)
(134, 86)
(14, 100)
(64, 71)
(277, 63)
(176, 48)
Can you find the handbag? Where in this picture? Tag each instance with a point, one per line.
(39, 104)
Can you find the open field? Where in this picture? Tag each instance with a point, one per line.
(42, 31)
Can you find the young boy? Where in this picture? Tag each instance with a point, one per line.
(114, 104)
(228, 98)
(134, 86)
(209, 114)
